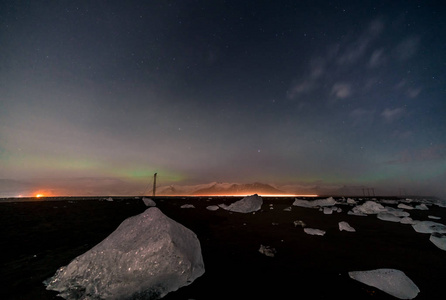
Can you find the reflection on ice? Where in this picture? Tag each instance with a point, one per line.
(391, 281)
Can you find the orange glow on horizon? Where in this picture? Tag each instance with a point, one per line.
(241, 195)
(40, 195)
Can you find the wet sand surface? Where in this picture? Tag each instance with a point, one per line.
(38, 237)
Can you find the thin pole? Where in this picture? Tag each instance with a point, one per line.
(154, 185)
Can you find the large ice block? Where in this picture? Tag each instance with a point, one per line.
(391, 281)
(246, 205)
(147, 256)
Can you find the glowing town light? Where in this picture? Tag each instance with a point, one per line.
(39, 195)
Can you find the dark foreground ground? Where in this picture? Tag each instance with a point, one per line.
(36, 238)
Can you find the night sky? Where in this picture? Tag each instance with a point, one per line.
(96, 94)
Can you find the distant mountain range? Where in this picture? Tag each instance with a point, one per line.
(216, 188)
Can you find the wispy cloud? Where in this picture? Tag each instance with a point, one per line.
(300, 88)
(392, 114)
(413, 92)
(377, 58)
(407, 48)
(341, 90)
(355, 50)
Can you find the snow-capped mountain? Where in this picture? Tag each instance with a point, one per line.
(216, 188)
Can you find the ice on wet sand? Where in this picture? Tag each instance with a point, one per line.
(246, 205)
(267, 250)
(212, 207)
(438, 240)
(391, 281)
(313, 231)
(148, 202)
(429, 227)
(147, 256)
(345, 226)
(187, 206)
(314, 203)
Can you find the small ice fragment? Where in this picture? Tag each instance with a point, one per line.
(314, 203)
(148, 202)
(385, 216)
(369, 207)
(109, 199)
(405, 206)
(438, 240)
(351, 201)
(212, 207)
(422, 206)
(299, 223)
(313, 231)
(391, 281)
(407, 220)
(267, 250)
(396, 212)
(274, 223)
(434, 217)
(429, 227)
(246, 205)
(287, 209)
(351, 212)
(328, 210)
(345, 226)
(187, 206)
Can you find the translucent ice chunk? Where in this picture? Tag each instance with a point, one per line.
(267, 250)
(422, 206)
(147, 256)
(369, 207)
(408, 220)
(320, 202)
(187, 206)
(328, 210)
(299, 223)
(391, 281)
(429, 227)
(212, 207)
(313, 231)
(246, 205)
(405, 206)
(385, 216)
(345, 226)
(438, 240)
(148, 202)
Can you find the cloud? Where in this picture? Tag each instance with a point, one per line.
(300, 88)
(317, 68)
(391, 115)
(377, 58)
(413, 92)
(357, 49)
(341, 90)
(407, 48)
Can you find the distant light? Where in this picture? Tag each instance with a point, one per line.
(242, 195)
(39, 195)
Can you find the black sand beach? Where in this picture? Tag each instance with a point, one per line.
(38, 237)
